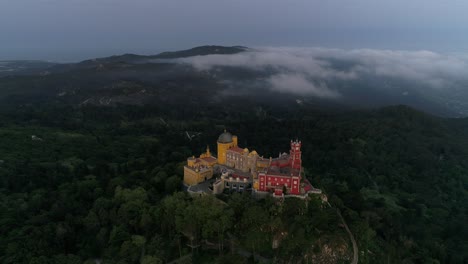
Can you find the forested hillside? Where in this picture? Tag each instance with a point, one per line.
(80, 184)
(228, 76)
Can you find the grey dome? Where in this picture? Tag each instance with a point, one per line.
(225, 137)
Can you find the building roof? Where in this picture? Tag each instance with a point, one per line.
(238, 176)
(225, 137)
(283, 171)
(209, 159)
(281, 162)
(237, 149)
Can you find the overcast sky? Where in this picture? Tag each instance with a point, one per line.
(70, 30)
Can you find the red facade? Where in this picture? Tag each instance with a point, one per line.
(274, 182)
(283, 174)
(295, 155)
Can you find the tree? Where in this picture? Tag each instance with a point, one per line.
(172, 184)
(151, 260)
(214, 217)
(254, 224)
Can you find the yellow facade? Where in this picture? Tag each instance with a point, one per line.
(211, 161)
(191, 161)
(234, 140)
(222, 149)
(199, 169)
(194, 176)
(255, 185)
(225, 142)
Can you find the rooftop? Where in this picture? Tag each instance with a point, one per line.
(209, 159)
(225, 137)
(236, 149)
(282, 169)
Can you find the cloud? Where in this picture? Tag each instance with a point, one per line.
(429, 68)
(315, 71)
(279, 59)
(298, 84)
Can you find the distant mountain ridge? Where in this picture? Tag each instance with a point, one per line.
(197, 51)
(200, 51)
(163, 79)
(33, 67)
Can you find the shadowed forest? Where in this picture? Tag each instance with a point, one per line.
(80, 184)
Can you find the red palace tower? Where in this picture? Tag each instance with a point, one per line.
(283, 176)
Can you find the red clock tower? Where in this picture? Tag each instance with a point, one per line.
(295, 155)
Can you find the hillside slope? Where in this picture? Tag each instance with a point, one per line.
(175, 78)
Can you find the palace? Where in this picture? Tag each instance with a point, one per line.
(199, 169)
(242, 170)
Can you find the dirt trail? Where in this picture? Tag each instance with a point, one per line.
(355, 247)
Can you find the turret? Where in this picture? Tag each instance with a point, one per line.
(191, 161)
(208, 153)
(225, 141)
(234, 140)
(295, 154)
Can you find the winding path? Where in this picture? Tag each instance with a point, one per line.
(355, 247)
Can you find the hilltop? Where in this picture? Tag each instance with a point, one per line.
(197, 51)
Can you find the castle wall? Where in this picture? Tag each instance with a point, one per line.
(268, 182)
(222, 150)
(242, 161)
(193, 177)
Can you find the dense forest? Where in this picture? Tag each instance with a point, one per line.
(89, 183)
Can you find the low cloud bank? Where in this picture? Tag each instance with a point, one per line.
(309, 71)
(299, 84)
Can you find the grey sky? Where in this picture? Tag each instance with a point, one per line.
(68, 30)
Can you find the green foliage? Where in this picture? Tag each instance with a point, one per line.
(151, 260)
(105, 183)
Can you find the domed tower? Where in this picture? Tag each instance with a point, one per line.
(225, 141)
